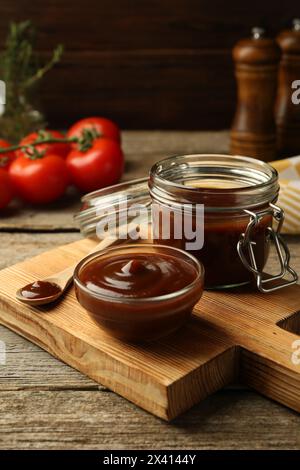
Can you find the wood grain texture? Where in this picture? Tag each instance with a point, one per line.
(82, 419)
(287, 114)
(16, 247)
(28, 368)
(33, 385)
(131, 24)
(157, 64)
(142, 149)
(230, 335)
(163, 89)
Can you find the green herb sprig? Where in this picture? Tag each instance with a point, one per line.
(21, 72)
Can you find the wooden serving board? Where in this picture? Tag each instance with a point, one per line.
(232, 336)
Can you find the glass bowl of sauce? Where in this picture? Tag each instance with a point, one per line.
(139, 292)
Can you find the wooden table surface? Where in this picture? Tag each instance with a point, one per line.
(45, 404)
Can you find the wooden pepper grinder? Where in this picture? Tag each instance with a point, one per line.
(253, 131)
(287, 112)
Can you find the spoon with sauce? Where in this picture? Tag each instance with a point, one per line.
(50, 289)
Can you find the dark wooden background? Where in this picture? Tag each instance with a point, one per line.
(144, 63)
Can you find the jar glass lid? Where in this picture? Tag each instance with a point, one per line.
(118, 200)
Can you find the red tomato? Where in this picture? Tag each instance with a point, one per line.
(7, 157)
(39, 180)
(101, 165)
(61, 150)
(103, 126)
(6, 189)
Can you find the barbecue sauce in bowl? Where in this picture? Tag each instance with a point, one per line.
(139, 277)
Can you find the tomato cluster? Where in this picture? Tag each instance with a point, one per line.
(90, 157)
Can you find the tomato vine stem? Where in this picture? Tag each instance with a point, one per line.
(84, 142)
(53, 140)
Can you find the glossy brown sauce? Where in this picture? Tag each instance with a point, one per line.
(219, 253)
(40, 290)
(145, 275)
(141, 292)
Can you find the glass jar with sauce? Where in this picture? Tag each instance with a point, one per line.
(238, 196)
(240, 218)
